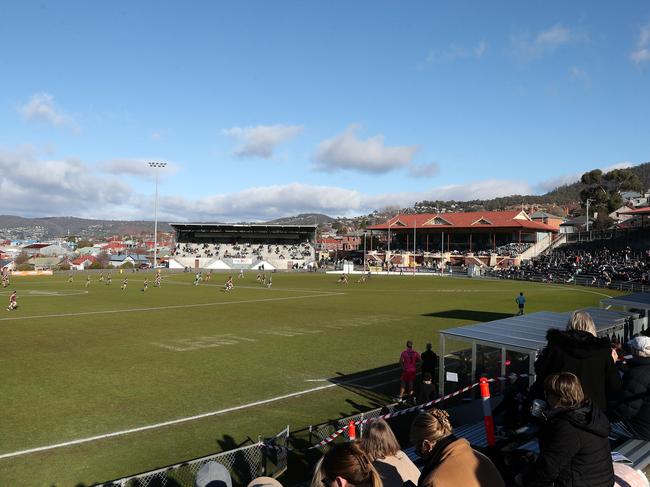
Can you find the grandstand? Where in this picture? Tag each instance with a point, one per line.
(216, 246)
(484, 238)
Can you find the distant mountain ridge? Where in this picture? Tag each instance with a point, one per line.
(16, 227)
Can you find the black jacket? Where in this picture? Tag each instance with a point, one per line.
(635, 405)
(586, 356)
(574, 450)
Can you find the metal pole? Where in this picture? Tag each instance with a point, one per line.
(588, 201)
(365, 260)
(156, 166)
(415, 223)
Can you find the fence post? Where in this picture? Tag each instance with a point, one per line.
(487, 411)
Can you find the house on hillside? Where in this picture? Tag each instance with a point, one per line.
(136, 260)
(82, 262)
(548, 219)
(575, 225)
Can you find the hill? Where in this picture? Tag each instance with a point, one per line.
(16, 227)
(303, 219)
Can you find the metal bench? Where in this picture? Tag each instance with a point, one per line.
(637, 451)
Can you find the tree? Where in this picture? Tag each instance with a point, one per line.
(604, 191)
(21, 258)
(103, 259)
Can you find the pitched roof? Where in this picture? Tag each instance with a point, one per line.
(465, 220)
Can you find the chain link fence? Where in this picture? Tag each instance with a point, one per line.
(244, 464)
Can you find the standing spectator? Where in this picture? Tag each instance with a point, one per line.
(427, 389)
(345, 465)
(521, 302)
(449, 461)
(578, 350)
(408, 361)
(429, 361)
(574, 444)
(634, 407)
(383, 450)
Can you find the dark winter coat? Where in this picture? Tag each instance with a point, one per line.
(582, 354)
(634, 407)
(574, 450)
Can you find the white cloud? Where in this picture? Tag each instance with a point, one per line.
(454, 52)
(579, 74)
(642, 52)
(424, 170)
(562, 180)
(347, 151)
(527, 47)
(134, 167)
(261, 141)
(31, 186)
(41, 108)
(618, 165)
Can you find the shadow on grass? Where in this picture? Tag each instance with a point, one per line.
(469, 315)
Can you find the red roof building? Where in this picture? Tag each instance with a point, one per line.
(466, 231)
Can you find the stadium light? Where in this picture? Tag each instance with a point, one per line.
(156, 166)
(589, 200)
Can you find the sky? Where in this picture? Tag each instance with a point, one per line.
(266, 109)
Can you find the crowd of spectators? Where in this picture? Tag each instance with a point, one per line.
(582, 383)
(601, 266)
(238, 250)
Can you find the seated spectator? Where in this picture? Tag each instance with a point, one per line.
(213, 474)
(634, 407)
(449, 461)
(574, 444)
(264, 482)
(383, 450)
(578, 350)
(345, 465)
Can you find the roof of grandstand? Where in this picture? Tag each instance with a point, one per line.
(465, 220)
(636, 300)
(243, 226)
(528, 332)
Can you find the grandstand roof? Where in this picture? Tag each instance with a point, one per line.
(253, 226)
(635, 300)
(528, 332)
(465, 220)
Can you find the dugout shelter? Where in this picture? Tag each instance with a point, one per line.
(510, 345)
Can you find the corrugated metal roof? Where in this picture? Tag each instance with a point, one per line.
(529, 331)
(635, 300)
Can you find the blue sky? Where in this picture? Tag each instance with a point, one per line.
(264, 109)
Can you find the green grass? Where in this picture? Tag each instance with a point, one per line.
(135, 359)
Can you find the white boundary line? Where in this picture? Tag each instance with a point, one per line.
(176, 306)
(197, 416)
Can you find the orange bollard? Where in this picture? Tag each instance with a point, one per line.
(487, 411)
(352, 431)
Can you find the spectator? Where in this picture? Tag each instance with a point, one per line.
(213, 474)
(578, 350)
(634, 407)
(384, 452)
(345, 465)
(427, 389)
(408, 360)
(512, 404)
(449, 461)
(429, 361)
(574, 444)
(264, 482)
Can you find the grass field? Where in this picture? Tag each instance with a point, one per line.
(79, 363)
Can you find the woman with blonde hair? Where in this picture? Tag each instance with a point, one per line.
(345, 465)
(449, 461)
(578, 350)
(574, 444)
(383, 450)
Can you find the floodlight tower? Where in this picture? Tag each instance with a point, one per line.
(156, 166)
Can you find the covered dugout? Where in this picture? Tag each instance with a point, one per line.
(632, 302)
(498, 348)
